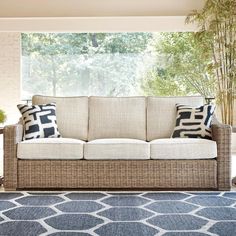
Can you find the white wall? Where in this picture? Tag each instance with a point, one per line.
(88, 8)
(96, 15)
(10, 53)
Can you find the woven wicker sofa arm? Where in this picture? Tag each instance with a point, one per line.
(221, 133)
(12, 135)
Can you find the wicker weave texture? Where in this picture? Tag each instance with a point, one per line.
(222, 135)
(117, 174)
(12, 135)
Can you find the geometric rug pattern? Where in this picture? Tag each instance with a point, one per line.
(118, 213)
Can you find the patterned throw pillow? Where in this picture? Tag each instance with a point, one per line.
(193, 122)
(39, 121)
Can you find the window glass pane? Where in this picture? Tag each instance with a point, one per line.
(114, 64)
(85, 64)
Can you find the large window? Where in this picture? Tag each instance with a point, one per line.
(114, 64)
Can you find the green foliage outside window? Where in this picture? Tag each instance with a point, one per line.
(115, 64)
(82, 64)
(181, 67)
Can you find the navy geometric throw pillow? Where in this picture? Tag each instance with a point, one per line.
(39, 121)
(193, 122)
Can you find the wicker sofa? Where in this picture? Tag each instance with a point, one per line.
(111, 143)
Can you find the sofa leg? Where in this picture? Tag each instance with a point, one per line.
(6, 188)
(9, 186)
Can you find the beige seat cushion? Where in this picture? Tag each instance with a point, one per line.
(116, 117)
(109, 149)
(72, 115)
(183, 148)
(50, 148)
(161, 114)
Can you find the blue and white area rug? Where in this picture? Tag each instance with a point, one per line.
(118, 214)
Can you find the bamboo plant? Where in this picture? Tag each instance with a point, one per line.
(217, 19)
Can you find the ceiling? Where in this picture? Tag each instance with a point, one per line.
(97, 8)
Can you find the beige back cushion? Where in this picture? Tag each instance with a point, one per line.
(72, 115)
(116, 117)
(161, 114)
